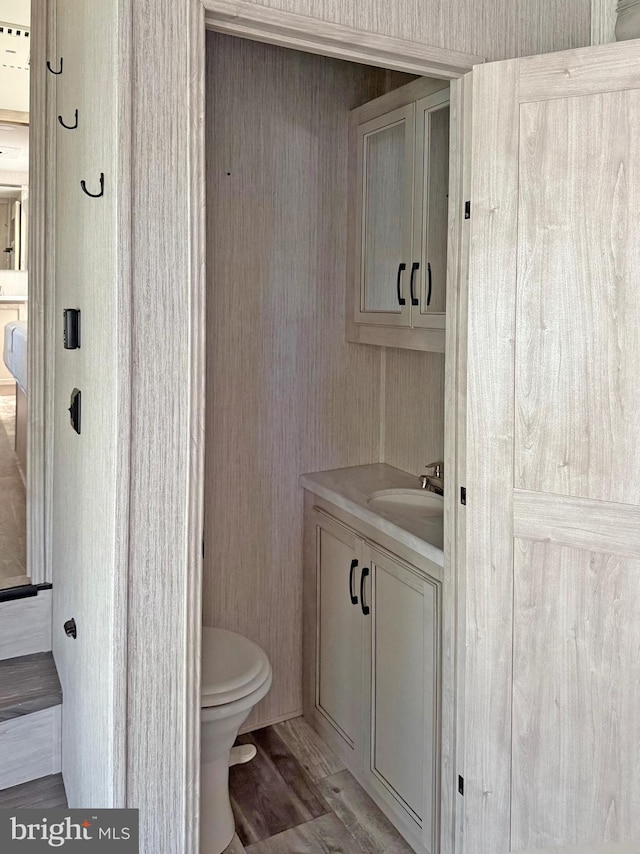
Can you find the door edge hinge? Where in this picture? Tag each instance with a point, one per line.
(461, 785)
(463, 495)
(467, 210)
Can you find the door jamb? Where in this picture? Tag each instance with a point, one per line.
(312, 35)
(41, 296)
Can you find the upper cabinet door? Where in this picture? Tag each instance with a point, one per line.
(431, 211)
(552, 581)
(385, 165)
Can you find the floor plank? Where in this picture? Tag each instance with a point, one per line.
(324, 835)
(366, 823)
(271, 793)
(46, 793)
(28, 684)
(236, 847)
(316, 757)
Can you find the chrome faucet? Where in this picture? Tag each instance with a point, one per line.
(434, 482)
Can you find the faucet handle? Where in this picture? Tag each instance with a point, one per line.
(438, 468)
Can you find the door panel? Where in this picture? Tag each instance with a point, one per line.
(397, 708)
(553, 468)
(577, 342)
(339, 621)
(402, 632)
(431, 215)
(574, 718)
(385, 186)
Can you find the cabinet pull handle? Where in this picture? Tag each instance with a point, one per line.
(429, 291)
(365, 608)
(415, 266)
(401, 299)
(354, 599)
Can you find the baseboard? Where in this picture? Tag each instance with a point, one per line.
(25, 625)
(30, 747)
(260, 724)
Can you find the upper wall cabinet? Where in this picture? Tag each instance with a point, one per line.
(398, 218)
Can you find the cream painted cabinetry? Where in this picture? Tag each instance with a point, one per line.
(372, 649)
(338, 695)
(398, 216)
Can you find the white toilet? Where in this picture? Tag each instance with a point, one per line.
(236, 674)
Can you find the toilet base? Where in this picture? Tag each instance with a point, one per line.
(217, 825)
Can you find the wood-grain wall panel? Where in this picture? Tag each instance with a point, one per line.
(90, 477)
(495, 29)
(285, 393)
(164, 41)
(576, 724)
(413, 410)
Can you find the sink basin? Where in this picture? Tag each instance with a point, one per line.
(420, 500)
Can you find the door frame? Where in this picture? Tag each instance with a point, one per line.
(40, 269)
(164, 521)
(271, 26)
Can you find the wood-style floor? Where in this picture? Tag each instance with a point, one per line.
(296, 797)
(13, 511)
(45, 793)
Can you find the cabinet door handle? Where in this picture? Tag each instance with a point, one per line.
(429, 291)
(415, 266)
(354, 599)
(401, 299)
(365, 608)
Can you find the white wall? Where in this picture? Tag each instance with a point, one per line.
(16, 11)
(14, 282)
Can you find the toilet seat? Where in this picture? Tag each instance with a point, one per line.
(233, 667)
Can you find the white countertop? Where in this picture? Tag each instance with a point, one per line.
(14, 298)
(350, 488)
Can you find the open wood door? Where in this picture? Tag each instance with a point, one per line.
(552, 685)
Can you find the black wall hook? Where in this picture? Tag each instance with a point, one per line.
(94, 195)
(69, 127)
(51, 69)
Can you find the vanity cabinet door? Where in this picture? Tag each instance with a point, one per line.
(431, 212)
(338, 690)
(401, 642)
(385, 162)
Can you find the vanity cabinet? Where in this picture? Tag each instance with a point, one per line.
(372, 659)
(399, 218)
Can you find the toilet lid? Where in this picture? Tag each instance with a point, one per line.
(232, 667)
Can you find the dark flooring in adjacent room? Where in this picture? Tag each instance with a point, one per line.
(296, 797)
(13, 509)
(45, 793)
